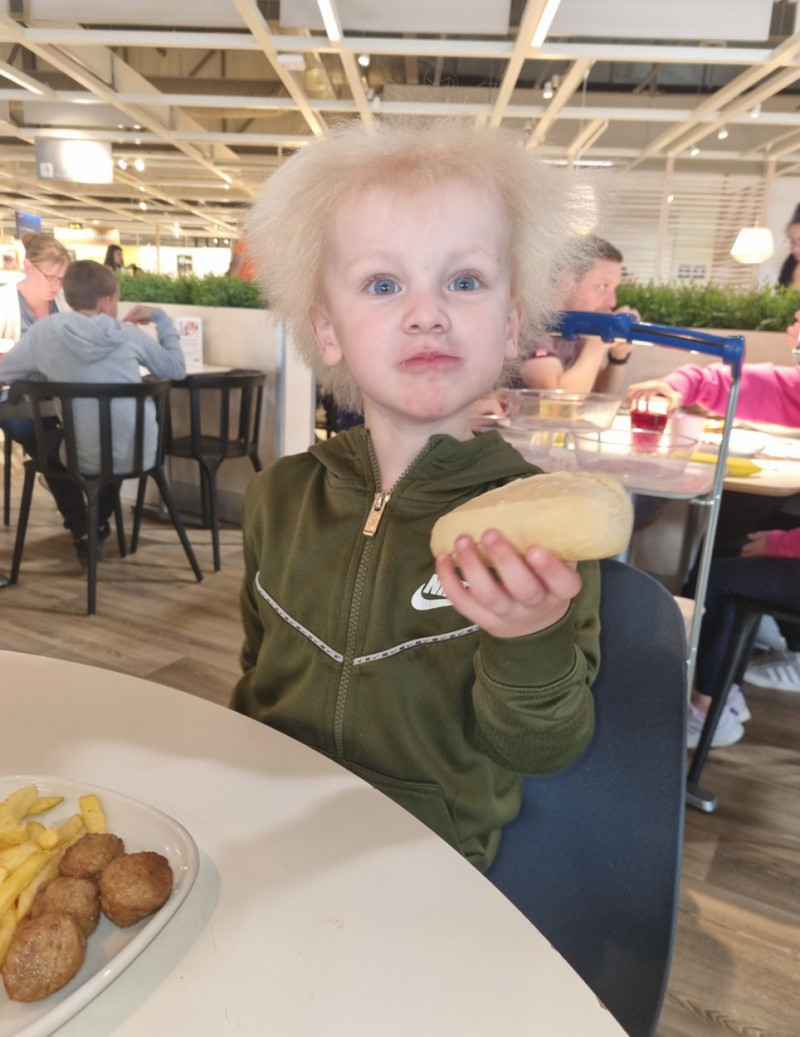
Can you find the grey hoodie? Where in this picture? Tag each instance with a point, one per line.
(71, 347)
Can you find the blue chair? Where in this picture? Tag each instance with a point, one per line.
(594, 857)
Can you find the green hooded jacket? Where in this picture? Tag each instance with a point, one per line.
(351, 646)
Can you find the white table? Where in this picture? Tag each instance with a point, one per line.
(320, 907)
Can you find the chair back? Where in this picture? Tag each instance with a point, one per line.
(210, 435)
(110, 430)
(593, 859)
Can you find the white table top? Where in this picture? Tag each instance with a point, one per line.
(320, 907)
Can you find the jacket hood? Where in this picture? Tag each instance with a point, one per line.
(455, 466)
(90, 338)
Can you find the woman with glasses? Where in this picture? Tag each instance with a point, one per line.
(37, 295)
(790, 271)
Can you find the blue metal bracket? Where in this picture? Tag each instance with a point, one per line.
(610, 327)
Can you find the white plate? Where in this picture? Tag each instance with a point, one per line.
(742, 442)
(109, 949)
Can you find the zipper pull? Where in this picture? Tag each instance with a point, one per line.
(376, 513)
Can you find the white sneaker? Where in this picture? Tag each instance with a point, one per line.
(780, 671)
(729, 729)
(736, 703)
(768, 636)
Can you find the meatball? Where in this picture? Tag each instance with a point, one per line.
(65, 895)
(133, 886)
(87, 857)
(44, 955)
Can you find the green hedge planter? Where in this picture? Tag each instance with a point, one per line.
(712, 306)
(190, 291)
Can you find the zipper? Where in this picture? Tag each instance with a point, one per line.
(376, 513)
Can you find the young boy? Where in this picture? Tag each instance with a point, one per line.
(90, 345)
(405, 262)
(583, 364)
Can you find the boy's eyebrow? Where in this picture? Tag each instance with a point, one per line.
(383, 255)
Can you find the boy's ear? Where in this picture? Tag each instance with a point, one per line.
(513, 324)
(325, 334)
(104, 303)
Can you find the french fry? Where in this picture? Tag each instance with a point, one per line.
(94, 817)
(13, 835)
(16, 805)
(46, 837)
(12, 886)
(8, 926)
(70, 829)
(11, 858)
(44, 803)
(49, 871)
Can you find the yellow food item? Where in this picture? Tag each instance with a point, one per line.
(577, 515)
(735, 466)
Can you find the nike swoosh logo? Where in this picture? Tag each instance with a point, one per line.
(421, 603)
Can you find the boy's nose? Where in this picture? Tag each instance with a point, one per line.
(425, 313)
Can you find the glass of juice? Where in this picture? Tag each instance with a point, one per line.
(648, 414)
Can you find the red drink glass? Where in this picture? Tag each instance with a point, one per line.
(648, 415)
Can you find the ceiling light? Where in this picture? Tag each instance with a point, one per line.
(143, 205)
(694, 152)
(364, 60)
(547, 89)
(122, 163)
(755, 111)
(753, 245)
(723, 133)
(670, 197)
(139, 164)
(329, 20)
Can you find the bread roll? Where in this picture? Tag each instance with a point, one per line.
(577, 515)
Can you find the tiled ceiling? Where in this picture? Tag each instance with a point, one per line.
(211, 95)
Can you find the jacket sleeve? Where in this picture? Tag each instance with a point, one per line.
(532, 697)
(19, 361)
(784, 543)
(766, 392)
(165, 357)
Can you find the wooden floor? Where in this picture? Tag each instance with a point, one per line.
(736, 969)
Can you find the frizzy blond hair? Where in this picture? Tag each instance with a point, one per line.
(288, 224)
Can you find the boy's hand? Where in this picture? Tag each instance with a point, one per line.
(793, 332)
(655, 387)
(756, 546)
(139, 314)
(533, 590)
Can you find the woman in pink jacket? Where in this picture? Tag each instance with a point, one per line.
(766, 565)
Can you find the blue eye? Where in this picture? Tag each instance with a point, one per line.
(383, 286)
(464, 283)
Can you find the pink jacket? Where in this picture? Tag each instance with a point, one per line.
(766, 393)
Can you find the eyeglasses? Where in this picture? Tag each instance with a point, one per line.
(50, 278)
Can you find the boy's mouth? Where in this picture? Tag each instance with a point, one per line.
(429, 359)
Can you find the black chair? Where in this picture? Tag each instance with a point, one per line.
(213, 400)
(594, 857)
(740, 648)
(142, 458)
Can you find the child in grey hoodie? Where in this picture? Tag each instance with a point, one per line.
(89, 344)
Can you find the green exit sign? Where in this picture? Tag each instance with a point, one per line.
(76, 226)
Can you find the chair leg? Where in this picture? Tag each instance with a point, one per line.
(137, 514)
(91, 569)
(22, 523)
(735, 659)
(7, 445)
(213, 516)
(166, 494)
(119, 522)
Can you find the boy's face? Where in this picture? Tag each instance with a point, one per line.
(596, 291)
(418, 300)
